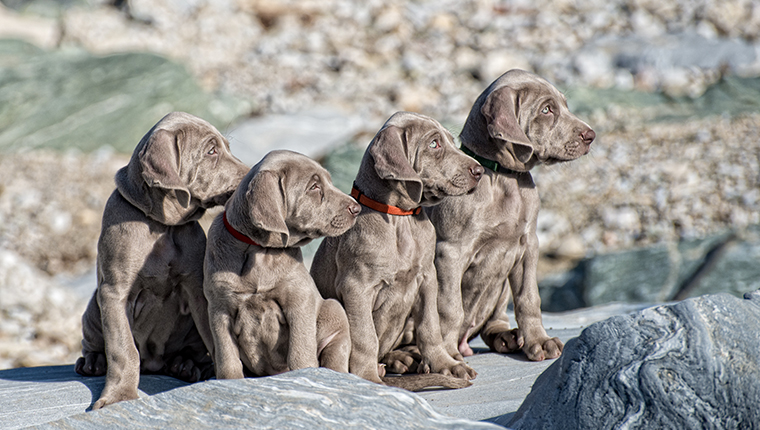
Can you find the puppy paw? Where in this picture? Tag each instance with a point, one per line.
(463, 371)
(111, 398)
(509, 341)
(402, 361)
(188, 370)
(92, 364)
(546, 348)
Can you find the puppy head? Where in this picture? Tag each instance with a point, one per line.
(188, 155)
(522, 120)
(288, 199)
(417, 163)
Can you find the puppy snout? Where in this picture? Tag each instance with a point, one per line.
(354, 208)
(588, 136)
(476, 171)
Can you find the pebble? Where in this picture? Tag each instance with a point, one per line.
(642, 183)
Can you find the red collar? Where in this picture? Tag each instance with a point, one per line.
(381, 207)
(238, 235)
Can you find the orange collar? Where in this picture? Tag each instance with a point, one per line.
(236, 234)
(381, 207)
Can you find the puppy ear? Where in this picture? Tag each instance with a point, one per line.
(500, 110)
(161, 163)
(390, 150)
(266, 201)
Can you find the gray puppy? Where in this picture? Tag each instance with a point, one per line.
(266, 314)
(382, 269)
(148, 313)
(487, 246)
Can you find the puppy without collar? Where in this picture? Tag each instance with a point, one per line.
(266, 314)
(148, 313)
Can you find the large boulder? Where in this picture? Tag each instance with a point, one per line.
(694, 364)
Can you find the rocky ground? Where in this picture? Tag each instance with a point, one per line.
(646, 180)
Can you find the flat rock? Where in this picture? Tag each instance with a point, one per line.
(56, 397)
(694, 364)
(306, 398)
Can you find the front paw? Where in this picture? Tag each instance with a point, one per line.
(111, 398)
(454, 368)
(189, 371)
(463, 371)
(507, 342)
(401, 361)
(92, 364)
(544, 348)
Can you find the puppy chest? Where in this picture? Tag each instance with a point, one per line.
(260, 325)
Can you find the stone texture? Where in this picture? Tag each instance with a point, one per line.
(694, 364)
(307, 398)
(71, 99)
(40, 321)
(381, 56)
(725, 262)
(38, 395)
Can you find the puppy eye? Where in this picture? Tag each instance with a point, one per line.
(212, 151)
(546, 110)
(434, 144)
(314, 187)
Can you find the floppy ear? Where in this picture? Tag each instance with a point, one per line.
(266, 201)
(390, 152)
(160, 159)
(500, 111)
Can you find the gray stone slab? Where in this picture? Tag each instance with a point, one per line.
(312, 133)
(307, 398)
(37, 395)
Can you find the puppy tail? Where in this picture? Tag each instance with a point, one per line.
(426, 380)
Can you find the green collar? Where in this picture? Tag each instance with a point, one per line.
(493, 165)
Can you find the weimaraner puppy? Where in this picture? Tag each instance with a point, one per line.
(487, 246)
(266, 314)
(148, 313)
(382, 269)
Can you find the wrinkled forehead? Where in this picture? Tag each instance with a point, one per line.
(293, 168)
(527, 83)
(176, 121)
(416, 125)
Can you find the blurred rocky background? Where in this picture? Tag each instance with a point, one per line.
(666, 206)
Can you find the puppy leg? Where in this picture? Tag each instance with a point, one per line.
(449, 270)
(363, 361)
(334, 342)
(435, 358)
(404, 359)
(123, 373)
(226, 353)
(93, 360)
(537, 344)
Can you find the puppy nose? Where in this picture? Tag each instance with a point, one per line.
(354, 208)
(588, 136)
(477, 171)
